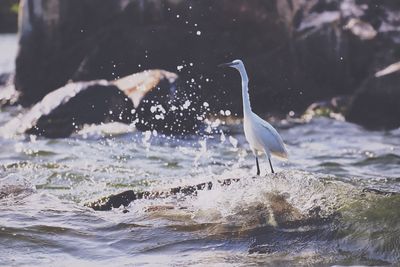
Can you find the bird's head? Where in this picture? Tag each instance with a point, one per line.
(237, 64)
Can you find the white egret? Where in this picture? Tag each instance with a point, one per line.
(262, 137)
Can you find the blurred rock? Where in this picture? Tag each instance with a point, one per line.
(363, 30)
(395, 67)
(297, 52)
(125, 36)
(55, 36)
(67, 109)
(376, 104)
(151, 100)
(8, 16)
(334, 108)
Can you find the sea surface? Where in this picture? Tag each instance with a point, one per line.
(314, 211)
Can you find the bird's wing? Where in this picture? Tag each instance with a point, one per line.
(272, 140)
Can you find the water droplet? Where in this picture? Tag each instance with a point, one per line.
(186, 104)
(233, 141)
(223, 138)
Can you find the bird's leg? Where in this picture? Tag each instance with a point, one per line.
(258, 166)
(270, 164)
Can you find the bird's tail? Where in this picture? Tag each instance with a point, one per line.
(281, 154)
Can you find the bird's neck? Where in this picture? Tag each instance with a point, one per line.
(245, 92)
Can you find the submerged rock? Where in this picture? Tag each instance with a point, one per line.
(13, 188)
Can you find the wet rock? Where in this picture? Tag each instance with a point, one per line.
(127, 197)
(283, 211)
(113, 201)
(281, 214)
(67, 109)
(375, 105)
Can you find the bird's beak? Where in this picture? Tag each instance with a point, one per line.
(223, 65)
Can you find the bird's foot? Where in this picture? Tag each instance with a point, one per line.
(270, 174)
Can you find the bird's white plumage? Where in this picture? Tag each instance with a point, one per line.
(262, 137)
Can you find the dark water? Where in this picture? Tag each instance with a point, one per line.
(45, 183)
